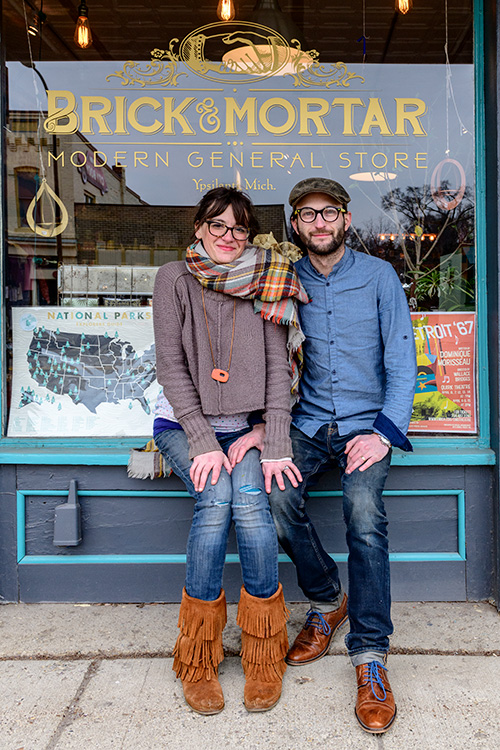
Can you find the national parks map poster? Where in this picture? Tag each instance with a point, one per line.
(445, 394)
(82, 371)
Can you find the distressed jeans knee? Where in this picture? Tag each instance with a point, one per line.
(255, 531)
(239, 498)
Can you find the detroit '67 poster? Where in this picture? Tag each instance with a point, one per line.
(445, 396)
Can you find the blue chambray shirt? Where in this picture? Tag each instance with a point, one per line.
(360, 363)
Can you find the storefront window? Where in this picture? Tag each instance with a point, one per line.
(109, 148)
(27, 184)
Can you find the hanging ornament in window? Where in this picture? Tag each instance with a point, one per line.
(448, 193)
(45, 205)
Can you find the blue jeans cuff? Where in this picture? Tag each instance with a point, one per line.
(365, 657)
(325, 607)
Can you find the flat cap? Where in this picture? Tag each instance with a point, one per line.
(319, 185)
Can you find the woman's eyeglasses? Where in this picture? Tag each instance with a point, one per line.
(219, 229)
(308, 215)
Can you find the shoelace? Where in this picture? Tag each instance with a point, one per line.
(316, 620)
(375, 677)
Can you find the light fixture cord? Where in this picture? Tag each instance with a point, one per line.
(364, 31)
(362, 38)
(40, 28)
(38, 127)
(450, 94)
(448, 77)
(37, 96)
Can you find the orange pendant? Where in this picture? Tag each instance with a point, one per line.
(221, 376)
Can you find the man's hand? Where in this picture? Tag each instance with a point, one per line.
(276, 469)
(363, 451)
(202, 465)
(254, 439)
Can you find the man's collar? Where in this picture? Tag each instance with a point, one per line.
(345, 260)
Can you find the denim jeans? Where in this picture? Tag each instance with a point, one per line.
(240, 498)
(366, 522)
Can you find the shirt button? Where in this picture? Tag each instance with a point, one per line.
(334, 372)
(328, 283)
(329, 312)
(331, 342)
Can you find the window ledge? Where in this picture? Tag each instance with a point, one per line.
(445, 456)
(118, 455)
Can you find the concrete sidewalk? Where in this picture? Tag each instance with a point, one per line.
(85, 677)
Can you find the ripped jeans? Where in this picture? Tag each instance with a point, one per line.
(240, 498)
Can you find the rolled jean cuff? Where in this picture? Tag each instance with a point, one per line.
(325, 607)
(365, 657)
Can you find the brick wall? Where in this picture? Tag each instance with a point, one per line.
(142, 233)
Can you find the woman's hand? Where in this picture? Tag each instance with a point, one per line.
(254, 439)
(202, 465)
(276, 469)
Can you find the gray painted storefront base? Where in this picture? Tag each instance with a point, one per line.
(422, 527)
(442, 581)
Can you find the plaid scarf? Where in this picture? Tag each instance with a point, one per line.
(270, 280)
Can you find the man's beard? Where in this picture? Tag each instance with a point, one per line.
(336, 241)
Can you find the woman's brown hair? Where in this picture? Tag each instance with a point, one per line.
(215, 202)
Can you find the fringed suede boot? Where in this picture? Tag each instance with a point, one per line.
(198, 652)
(264, 643)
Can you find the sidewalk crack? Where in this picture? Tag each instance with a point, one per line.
(70, 712)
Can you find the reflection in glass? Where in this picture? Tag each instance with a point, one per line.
(431, 247)
(145, 139)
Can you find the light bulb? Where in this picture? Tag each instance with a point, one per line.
(34, 26)
(404, 5)
(83, 35)
(226, 10)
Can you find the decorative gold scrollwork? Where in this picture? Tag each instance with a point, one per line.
(252, 51)
(155, 73)
(316, 74)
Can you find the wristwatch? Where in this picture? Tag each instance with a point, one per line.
(383, 439)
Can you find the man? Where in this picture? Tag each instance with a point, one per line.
(356, 399)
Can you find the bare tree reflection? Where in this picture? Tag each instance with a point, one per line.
(431, 248)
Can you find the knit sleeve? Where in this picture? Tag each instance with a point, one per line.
(277, 443)
(172, 371)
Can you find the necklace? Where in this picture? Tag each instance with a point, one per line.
(221, 376)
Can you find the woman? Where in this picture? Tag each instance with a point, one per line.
(218, 362)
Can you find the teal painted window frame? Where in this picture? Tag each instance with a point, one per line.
(24, 559)
(449, 450)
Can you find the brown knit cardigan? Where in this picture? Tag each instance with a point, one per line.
(259, 376)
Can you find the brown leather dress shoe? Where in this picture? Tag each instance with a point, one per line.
(314, 639)
(375, 708)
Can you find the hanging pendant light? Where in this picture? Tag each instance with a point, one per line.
(403, 6)
(34, 25)
(83, 34)
(226, 10)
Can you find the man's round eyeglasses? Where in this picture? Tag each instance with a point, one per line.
(219, 229)
(308, 215)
